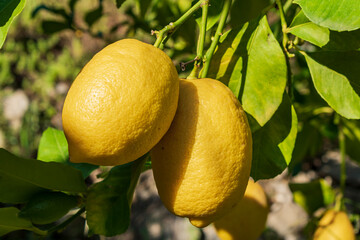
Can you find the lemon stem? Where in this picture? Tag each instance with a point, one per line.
(201, 41)
(163, 34)
(215, 41)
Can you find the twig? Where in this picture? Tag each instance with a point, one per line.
(171, 27)
(215, 41)
(201, 41)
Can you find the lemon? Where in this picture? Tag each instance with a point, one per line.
(120, 104)
(202, 164)
(247, 220)
(334, 225)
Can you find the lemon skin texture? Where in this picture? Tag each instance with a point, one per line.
(120, 104)
(247, 220)
(202, 164)
(334, 225)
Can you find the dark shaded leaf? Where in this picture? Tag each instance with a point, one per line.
(9, 221)
(273, 144)
(21, 178)
(243, 11)
(48, 207)
(308, 144)
(108, 202)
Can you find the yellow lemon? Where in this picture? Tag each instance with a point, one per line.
(247, 220)
(120, 104)
(334, 225)
(202, 164)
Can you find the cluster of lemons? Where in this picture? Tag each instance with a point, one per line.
(128, 100)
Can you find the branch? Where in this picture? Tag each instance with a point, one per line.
(171, 27)
(201, 41)
(215, 41)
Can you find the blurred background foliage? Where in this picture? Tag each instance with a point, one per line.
(50, 41)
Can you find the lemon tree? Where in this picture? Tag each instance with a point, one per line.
(257, 88)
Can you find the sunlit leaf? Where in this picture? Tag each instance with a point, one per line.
(322, 36)
(9, 9)
(338, 15)
(336, 78)
(309, 31)
(108, 202)
(287, 146)
(251, 62)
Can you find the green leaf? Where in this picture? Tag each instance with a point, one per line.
(309, 31)
(308, 143)
(312, 196)
(287, 146)
(48, 207)
(9, 221)
(336, 79)
(94, 15)
(53, 147)
(323, 37)
(273, 144)
(250, 61)
(338, 15)
(352, 138)
(108, 202)
(51, 27)
(243, 11)
(9, 9)
(21, 178)
(214, 12)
